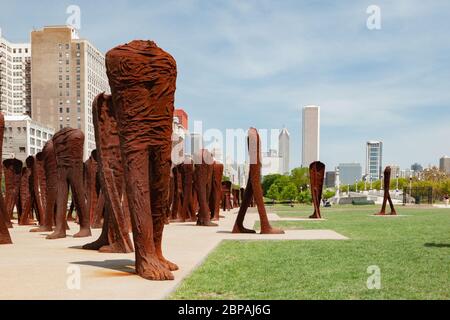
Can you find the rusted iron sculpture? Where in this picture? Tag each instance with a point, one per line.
(48, 158)
(216, 191)
(187, 173)
(143, 82)
(316, 175)
(236, 198)
(202, 181)
(254, 189)
(26, 193)
(387, 195)
(115, 236)
(5, 237)
(226, 195)
(40, 186)
(93, 190)
(13, 175)
(177, 194)
(68, 144)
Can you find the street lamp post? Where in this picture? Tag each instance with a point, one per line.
(397, 182)
(356, 185)
(381, 183)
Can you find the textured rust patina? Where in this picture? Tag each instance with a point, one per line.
(254, 189)
(13, 174)
(202, 182)
(40, 187)
(216, 191)
(115, 236)
(48, 159)
(92, 187)
(317, 175)
(236, 198)
(187, 173)
(387, 195)
(143, 82)
(68, 144)
(5, 237)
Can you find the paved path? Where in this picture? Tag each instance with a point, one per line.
(35, 268)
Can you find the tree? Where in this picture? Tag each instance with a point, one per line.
(273, 192)
(268, 181)
(305, 197)
(289, 192)
(300, 177)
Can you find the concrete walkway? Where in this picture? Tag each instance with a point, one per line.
(35, 268)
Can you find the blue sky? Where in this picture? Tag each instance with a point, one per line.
(256, 63)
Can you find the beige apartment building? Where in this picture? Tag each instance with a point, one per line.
(15, 77)
(67, 74)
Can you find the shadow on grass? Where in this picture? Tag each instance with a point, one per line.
(122, 265)
(437, 245)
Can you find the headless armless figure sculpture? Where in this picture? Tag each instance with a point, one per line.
(68, 144)
(13, 174)
(254, 189)
(202, 182)
(387, 195)
(5, 237)
(316, 174)
(143, 77)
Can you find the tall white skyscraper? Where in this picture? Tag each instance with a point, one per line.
(374, 159)
(15, 77)
(311, 135)
(284, 152)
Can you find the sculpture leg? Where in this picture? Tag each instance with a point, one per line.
(51, 195)
(98, 211)
(76, 182)
(391, 205)
(204, 216)
(159, 184)
(246, 201)
(266, 228)
(383, 207)
(137, 181)
(61, 205)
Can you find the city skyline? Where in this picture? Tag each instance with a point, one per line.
(371, 94)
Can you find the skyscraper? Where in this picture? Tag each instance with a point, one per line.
(374, 159)
(67, 74)
(311, 135)
(15, 77)
(444, 164)
(284, 152)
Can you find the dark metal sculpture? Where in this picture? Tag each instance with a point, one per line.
(202, 182)
(13, 175)
(226, 195)
(236, 198)
(143, 82)
(316, 175)
(216, 191)
(68, 145)
(254, 189)
(5, 237)
(387, 195)
(115, 236)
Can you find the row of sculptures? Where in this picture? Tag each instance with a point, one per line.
(126, 184)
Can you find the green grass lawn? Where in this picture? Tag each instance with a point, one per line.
(412, 252)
